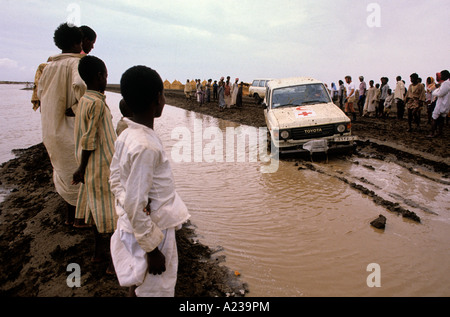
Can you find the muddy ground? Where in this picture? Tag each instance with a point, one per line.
(36, 248)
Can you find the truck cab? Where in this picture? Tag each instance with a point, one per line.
(301, 117)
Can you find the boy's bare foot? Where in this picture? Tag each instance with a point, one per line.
(79, 223)
(110, 269)
(131, 291)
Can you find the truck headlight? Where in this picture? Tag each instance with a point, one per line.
(285, 134)
(341, 128)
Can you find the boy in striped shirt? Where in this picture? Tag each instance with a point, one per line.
(94, 149)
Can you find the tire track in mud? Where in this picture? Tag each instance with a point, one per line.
(389, 205)
(417, 163)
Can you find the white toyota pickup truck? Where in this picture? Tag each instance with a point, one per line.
(300, 116)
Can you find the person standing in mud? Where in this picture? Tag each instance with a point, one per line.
(388, 103)
(362, 95)
(351, 97)
(371, 103)
(234, 92)
(341, 94)
(414, 100)
(198, 91)
(208, 91)
(94, 148)
(239, 96)
(383, 95)
(221, 93)
(144, 247)
(442, 108)
(215, 90)
(59, 90)
(430, 100)
(188, 89)
(227, 92)
(399, 97)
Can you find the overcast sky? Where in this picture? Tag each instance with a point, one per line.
(325, 39)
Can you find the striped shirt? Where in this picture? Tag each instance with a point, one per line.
(94, 132)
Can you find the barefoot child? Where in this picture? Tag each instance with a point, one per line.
(94, 148)
(143, 247)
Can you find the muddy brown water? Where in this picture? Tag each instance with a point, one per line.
(300, 232)
(304, 232)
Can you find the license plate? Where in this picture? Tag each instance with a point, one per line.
(345, 138)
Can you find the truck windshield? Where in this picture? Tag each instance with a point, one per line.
(300, 95)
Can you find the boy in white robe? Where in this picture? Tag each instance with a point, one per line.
(143, 247)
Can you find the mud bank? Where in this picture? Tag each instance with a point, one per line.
(36, 247)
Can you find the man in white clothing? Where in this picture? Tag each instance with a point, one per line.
(442, 92)
(351, 97)
(399, 97)
(143, 247)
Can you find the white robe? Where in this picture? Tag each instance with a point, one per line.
(234, 94)
(371, 100)
(60, 88)
(443, 100)
(140, 171)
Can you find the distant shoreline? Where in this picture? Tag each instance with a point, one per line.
(7, 82)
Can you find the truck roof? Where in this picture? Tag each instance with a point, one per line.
(293, 81)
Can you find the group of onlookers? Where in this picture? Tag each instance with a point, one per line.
(379, 99)
(227, 94)
(119, 183)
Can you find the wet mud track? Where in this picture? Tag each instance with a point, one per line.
(382, 172)
(384, 148)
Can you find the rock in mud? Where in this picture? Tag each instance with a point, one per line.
(379, 223)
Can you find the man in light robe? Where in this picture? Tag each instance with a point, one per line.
(399, 97)
(234, 92)
(442, 108)
(371, 103)
(59, 90)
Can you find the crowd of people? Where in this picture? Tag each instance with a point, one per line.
(378, 100)
(373, 100)
(116, 181)
(226, 93)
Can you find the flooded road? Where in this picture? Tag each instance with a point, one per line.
(298, 231)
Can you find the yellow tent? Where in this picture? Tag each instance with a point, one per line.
(177, 85)
(166, 84)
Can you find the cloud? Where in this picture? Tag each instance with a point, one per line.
(15, 71)
(6, 63)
